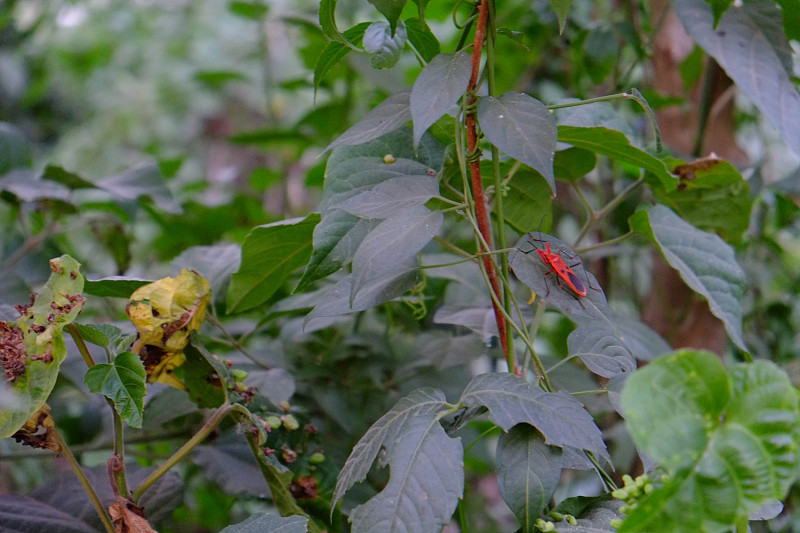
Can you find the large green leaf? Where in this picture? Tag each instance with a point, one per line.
(528, 472)
(705, 262)
(383, 433)
(531, 270)
(269, 255)
(437, 88)
(750, 44)
(36, 342)
(522, 127)
(123, 382)
(558, 416)
(527, 201)
(422, 38)
(728, 441)
(616, 145)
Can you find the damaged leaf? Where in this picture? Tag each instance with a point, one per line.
(128, 519)
(164, 313)
(32, 347)
(39, 431)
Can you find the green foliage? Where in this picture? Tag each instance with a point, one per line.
(377, 230)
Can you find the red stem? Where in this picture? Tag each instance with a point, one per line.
(477, 185)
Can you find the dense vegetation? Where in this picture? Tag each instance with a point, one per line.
(399, 266)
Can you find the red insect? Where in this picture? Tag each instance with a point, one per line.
(562, 270)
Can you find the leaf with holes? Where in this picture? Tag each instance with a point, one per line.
(122, 382)
(437, 88)
(705, 262)
(558, 416)
(522, 127)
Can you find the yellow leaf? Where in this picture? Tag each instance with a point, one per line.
(164, 313)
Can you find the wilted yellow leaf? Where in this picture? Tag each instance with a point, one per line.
(165, 312)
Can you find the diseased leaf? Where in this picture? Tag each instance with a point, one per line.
(601, 350)
(123, 382)
(269, 255)
(437, 88)
(165, 313)
(528, 472)
(384, 118)
(750, 45)
(522, 127)
(529, 267)
(394, 241)
(270, 523)
(705, 262)
(728, 441)
(33, 345)
(384, 44)
(558, 416)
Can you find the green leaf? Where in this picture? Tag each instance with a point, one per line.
(750, 45)
(384, 44)
(531, 270)
(616, 145)
(395, 241)
(26, 186)
(103, 335)
(123, 382)
(528, 472)
(39, 334)
(602, 351)
(248, 10)
(715, 199)
(270, 253)
(573, 163)
(791, 18)
(427, 469)
(383, 433)
(270, 523)
(523, 128)
(437, 88)
(561, 7)
(206, 377)
(728, 441)
(390, 9)
(327, 19)
(705, 262)
(384, 118)
(394, 197)
(66, 178)
(15, 151)
(527, 201)
(114, 286)
(216, 263)
(558, 416)
(422, 38)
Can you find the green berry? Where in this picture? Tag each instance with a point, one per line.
(273, 421)
(239, 375)
(290, 422)
(316, 458)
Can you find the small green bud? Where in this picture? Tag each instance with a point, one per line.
(648, 489)
(549, 526)
(388, 159)
(571, 520)
(316, 458)
(238, 374)
(642, 480)
(620, 494)
(290, 422)
(628, 480)
(273, 421)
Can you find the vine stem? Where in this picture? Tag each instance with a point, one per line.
(477, 185)
(184, 450)
(76, 468)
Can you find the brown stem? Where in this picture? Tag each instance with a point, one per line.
(475, 173)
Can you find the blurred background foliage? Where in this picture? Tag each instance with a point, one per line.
(202, 120)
